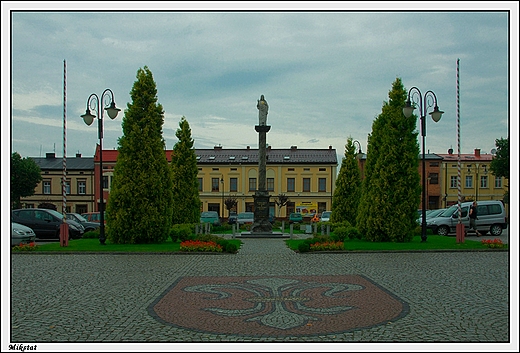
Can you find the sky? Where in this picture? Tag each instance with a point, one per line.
(325, 73)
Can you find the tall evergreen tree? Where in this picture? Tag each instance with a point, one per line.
(391, 189)
(345, 201)
(186, 205)
(25, 176)
(140, 206)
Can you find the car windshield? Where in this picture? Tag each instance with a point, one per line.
(325, 214)
(77, 216)
(55, 213)
(208, 214)
(246, 215)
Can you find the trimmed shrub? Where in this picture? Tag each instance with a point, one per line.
(181, 232)
(230, 248)
(353, 233)
(341, 232)
(93, 234)
(304, 247)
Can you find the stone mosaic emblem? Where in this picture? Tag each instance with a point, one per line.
(277, 306)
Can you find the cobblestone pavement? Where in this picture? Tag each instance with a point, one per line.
(453, 297)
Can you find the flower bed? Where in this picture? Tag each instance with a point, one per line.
(26, 247)
(199, 245)
(329, 245)
(495, 243)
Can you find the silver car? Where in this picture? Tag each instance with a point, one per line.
(21, 234)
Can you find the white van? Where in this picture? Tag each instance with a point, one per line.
(491, 217)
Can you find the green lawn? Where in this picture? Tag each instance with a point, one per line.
(93, 245)
(434, 242)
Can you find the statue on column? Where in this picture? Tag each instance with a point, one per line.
(263, 107)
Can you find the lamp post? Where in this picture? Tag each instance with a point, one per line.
(414, 94)
(94, 103)
(222, 183)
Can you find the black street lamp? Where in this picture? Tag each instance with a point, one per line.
(93, 102)
(222, 182)
(429, 100)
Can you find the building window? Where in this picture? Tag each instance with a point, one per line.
(434, 164)
(105, 182)
(498, 182)
(233, 184)
(200, 184)
(306, 184)
(215, 182)
(306, 169)
(270, 184)
(82, 187)
(453, 181)
(290, 169)
(434, 178)
(322, 169)
(252, 184)
(469, 181)
(67, 188)
(290, 184)
(47, 187)
(483, 181)
(322, 184)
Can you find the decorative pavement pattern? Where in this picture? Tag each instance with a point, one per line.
(277, 306)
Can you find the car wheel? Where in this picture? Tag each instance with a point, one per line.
(496, 230)
(443, 230)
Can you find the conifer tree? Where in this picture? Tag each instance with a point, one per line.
(186, 205)
(140, 206)
(391, 189)
(348, 187)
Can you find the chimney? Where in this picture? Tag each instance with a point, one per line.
(78, 155)
(293, 147)
(269, 147)
(248, 147)
(330, 147)
(477, 152)
(450, 151)
(50, 155)
(218, 147)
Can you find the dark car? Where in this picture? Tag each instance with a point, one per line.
(232, 219)
(46, 223)
(89, 226)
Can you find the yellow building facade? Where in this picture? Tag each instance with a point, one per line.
(477, 181)
(306, 176)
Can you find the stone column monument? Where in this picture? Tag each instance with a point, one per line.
(261, 225)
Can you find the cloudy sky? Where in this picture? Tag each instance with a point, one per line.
(324, 74)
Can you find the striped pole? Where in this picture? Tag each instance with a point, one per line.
(460, 226)
(64, 231)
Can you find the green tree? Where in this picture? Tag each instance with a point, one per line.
(186, 205)
(25, 177)
(391, 189)
(345, 201)
(500, 162)
(140, 206)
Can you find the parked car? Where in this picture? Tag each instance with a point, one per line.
(95, 217)
(210, 217)
(46, 223)
(430, 214)
(89, 226)
(491, 216)
(325, 216)
(21, 234)
(232, 219)
(295, 217)
(246, 218)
